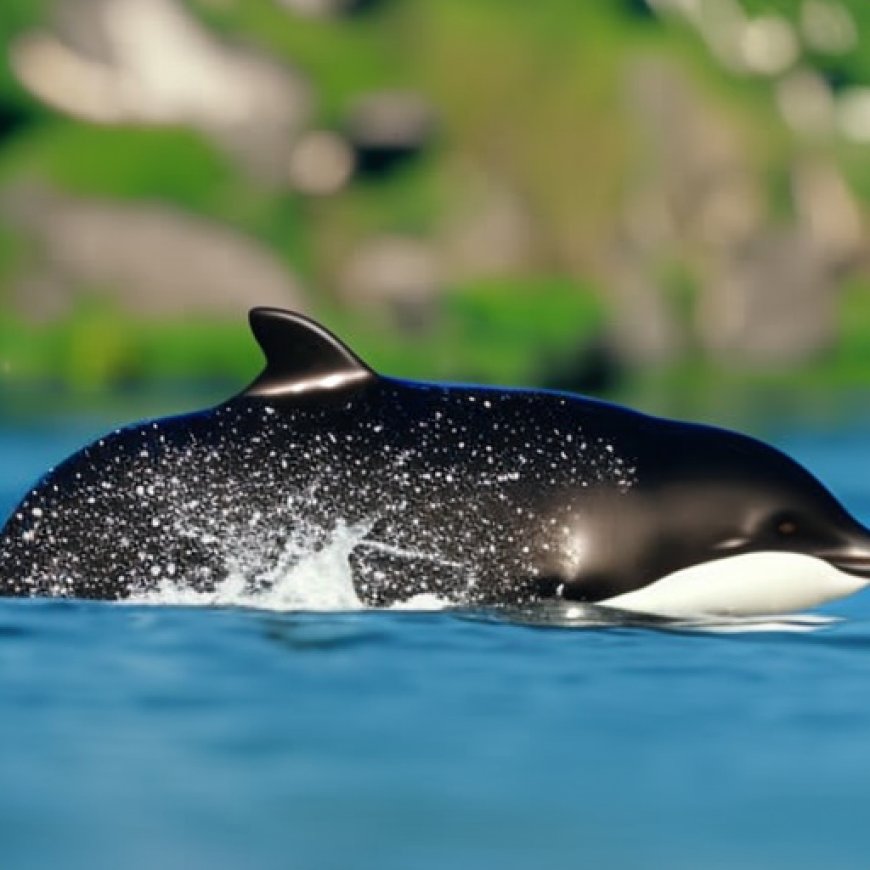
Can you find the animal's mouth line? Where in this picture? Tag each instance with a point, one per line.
(855, 563)
(858, 565)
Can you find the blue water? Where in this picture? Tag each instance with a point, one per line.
(170, 737)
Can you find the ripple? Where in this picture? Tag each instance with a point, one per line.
(563, 614)
(15, 631)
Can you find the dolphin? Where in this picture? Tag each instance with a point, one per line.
(479, 495)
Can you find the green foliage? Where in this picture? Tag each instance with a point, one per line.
(132, 163)
(851, 358)
(98, 348)
(491, 332)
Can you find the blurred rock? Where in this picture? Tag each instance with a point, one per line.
(644, 330)
(769, 302)
(806, 103)
(150, 260)
(722, 25)
(693, 158)
(400, 276)
(768, 45)
(693, 190)
(763, 296)
(828, 213)
(773, 299)
(828, 26)
(853, 114)
(387, 128)
(490, 232)
(150, 62)
(321, 163)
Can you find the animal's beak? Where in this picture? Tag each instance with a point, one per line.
(857, 565)
(853, 554)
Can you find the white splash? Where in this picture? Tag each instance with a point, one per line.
(424, 601)
(304, 577)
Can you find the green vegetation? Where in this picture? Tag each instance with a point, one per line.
(493, 332)
(489, 333)
(99, 349)
(526, 91)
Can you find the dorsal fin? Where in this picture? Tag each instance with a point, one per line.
(301, 356)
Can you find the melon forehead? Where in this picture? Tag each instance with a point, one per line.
(685, 457)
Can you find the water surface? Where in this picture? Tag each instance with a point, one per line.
(144, 736)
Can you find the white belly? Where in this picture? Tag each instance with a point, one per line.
(752, 584)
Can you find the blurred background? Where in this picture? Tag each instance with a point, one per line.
(663, 201)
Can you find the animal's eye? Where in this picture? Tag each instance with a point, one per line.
(786, 528)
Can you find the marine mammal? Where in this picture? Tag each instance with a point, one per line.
(481, 495)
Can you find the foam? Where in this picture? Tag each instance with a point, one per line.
(303, 578)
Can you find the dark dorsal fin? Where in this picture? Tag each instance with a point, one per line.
(301, 356)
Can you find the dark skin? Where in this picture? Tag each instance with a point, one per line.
(755, 499)
(481, 496)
